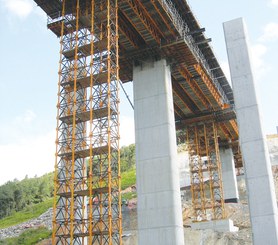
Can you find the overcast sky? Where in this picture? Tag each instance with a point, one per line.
(29, 65)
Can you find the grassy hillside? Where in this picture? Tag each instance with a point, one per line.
(23, 200)
(29, 237)
(128, 178)
(35, 210)
(28, 213)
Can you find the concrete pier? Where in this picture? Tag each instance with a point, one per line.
(158, 190)
(229, 175)
(261, 194)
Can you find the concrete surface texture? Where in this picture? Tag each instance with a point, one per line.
(228, 175)
(158, 189)
(260, 186)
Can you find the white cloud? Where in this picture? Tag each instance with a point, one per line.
(27, 117)
(257, 57)
(226, 69)
(274, 2)
(30, 157)
(127, 132)
(35, 155)
(20, 8)
(23, 126)
(258, 51)
(270, 32)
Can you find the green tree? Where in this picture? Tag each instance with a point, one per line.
(127, 157)
(15, 195)
(18, 198)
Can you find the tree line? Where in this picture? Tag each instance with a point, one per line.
(16, 195)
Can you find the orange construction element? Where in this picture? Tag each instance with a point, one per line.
(87, 164)
(205, 171)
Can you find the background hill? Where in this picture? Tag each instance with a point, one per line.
(27, 203)
(16, 195)
(29, 221)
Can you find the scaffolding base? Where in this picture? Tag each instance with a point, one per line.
(223, 225)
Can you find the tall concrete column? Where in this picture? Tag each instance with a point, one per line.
(159, 203)
(261, 194)
(229, 175)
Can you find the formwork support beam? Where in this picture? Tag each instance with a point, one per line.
(205, 172)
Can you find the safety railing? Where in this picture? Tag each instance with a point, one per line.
(183, 30)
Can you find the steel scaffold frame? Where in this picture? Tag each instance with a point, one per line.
(87, 206)
(205, 172)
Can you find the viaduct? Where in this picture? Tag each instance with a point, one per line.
(179, 87)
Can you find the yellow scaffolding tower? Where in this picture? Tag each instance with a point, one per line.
(205, 172)
(87, 207)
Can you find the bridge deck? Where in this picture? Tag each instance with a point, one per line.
(166, 29)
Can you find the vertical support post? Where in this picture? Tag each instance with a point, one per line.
(261, 195)
(229, 175)
(206, 178)
(57, 202)
(88, 96)
(205, 171)
(159, 201)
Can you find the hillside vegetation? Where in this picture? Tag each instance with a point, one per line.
(16, 195)
(30, 197)
(29, 237)
(29, 212)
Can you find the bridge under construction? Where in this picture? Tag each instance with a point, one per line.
(178, 86)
